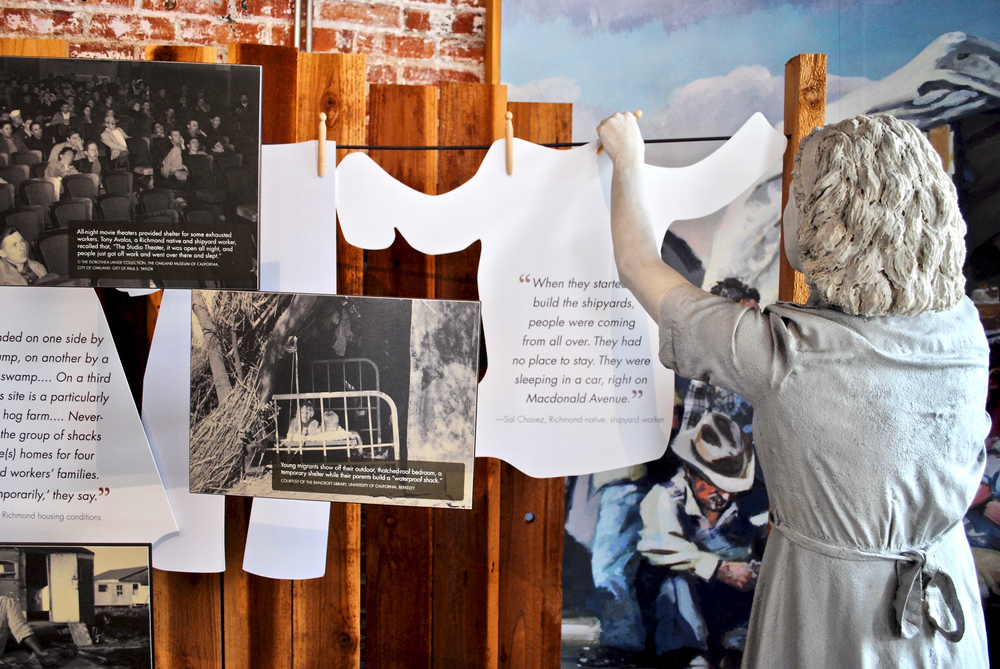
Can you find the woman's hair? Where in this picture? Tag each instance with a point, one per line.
(880, 230)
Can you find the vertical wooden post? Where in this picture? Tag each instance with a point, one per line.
(492, 57)
(407, 116)
(326, 612)
(532, 511)
(467, 543)
(805, 110)
(314, 623)
(398, 539)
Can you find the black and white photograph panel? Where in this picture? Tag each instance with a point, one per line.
(334, 397)
(129, 173)
(75, 606)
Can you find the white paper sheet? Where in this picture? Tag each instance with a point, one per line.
(199, 546)
(287, 538)
(76, 467)
(574, 385)
(298, 253)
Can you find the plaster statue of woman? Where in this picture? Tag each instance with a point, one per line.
(869, 402)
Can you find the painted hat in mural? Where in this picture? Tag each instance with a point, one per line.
(719, 451)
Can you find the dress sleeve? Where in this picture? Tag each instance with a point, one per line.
(721, 342)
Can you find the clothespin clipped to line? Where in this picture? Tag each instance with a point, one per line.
(637, 114)
(509, 139)
(321, 168)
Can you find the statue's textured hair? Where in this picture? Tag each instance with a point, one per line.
(880, 230)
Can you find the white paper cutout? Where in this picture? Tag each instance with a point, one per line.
(288, 538)
(298, 254)
(91, 431)
(550, 221)
(199, 546)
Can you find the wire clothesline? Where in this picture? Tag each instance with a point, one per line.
(551, 145)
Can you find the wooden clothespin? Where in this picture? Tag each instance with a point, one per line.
(321, 169)
(637, 114)
(509, 137)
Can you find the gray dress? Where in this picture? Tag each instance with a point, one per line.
(870, 435)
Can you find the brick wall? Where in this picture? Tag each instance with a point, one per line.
(407, 42)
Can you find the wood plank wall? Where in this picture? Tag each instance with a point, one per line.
(445, 588)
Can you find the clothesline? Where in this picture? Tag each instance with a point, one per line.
(551, 145)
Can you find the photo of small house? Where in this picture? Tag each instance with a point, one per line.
(56, 610)
(128, 586)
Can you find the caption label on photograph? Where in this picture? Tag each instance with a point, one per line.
(159, 251)
(423, 480)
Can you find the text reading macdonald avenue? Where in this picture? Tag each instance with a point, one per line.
(576, 398)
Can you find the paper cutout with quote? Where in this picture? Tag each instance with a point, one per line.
(75, 466)
(573, 385)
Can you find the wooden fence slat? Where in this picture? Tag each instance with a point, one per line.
(36, 48)
(398, 618)
(403, 115)
(805, 109)
(256, 611)
(182, 54)
(326, 612)
(466, 543)
(279, 88)
(187, 620)
(530, 622)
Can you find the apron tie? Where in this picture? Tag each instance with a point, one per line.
(920, 591)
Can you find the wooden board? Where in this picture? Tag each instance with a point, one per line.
(398, 540)
(278, 85)
(493, 34)
(403, 116)
(466, 543)
(530, 620)
(39, 48)
(187, 620)
(805, 110)
(182, 54)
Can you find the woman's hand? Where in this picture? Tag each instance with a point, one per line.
(621, 138)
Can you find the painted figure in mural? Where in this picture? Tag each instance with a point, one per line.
(869, 401)
(706, 545)
(13, 622)
(614, 554)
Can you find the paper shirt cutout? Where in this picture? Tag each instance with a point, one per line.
(287, 538)
(298, 254)
(76, 467)
(546, 234)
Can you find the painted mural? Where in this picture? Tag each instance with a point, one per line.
(660, 560)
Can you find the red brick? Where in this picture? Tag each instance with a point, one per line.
(132, 28)
(40, 22)
(103, 50)
(331, 40)
(418, 19)
(467, 23)
(204, 31)
(245, 32)
(428, 76)
(381, 74)
(373, 15)
(211, 7)
(368, 43)
(276, 9)
(475, 3)
(281, 35)
(403, 46)
(464, 50)
(90, 3)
